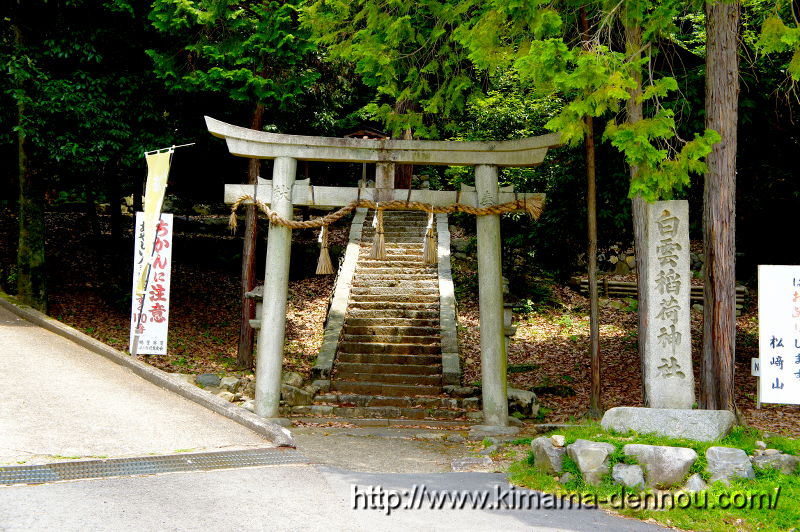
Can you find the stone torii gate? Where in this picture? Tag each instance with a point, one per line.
(283, 193)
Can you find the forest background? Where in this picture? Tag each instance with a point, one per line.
(91, 85)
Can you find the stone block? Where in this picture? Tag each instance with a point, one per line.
(695, 483)
(663, 466)
(206, 380)
(461, 391)
(515, 422)
(630, 476)
(229, 384)
(295, 396)
(324, 385)
(725, 463)
(591, 458)
(558, 440)
(321, 410)
(292, 379)
(522, 401)
(547, 457)
(184, 377)
(451, 370)
(698, 425)
(471, 403)
(228, 396)
(785, 463)
(479, 432)
(248, 387)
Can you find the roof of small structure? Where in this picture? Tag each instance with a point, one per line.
(368, 132)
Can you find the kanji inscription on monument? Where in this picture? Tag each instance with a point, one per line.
(669, 381)
(779, 333)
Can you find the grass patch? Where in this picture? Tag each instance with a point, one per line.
(771, 501)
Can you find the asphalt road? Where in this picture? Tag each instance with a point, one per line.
(61, 403)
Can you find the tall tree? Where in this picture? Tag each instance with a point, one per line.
(595, 404)
(719, 206)
(31, 275)
(254, 52)
(74, 102)
(406, 51)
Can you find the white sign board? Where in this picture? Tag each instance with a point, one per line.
(779, 333)
(153, 322)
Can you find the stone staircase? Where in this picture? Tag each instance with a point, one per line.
(388, 361)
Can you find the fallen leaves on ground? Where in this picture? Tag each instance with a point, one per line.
(554, 342)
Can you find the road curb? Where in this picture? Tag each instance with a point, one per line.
(273, 432)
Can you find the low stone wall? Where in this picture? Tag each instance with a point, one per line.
(656, 466)
(341, 296)
(451, 366)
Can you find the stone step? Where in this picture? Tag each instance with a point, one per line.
(389, 293)
(436, 424)
(354, 399)
(394, 313)
(395, 239)
(392, 305)
(430, 300)
(398, 227)
(396, 255)
(391, 378)
(401, 213)
(405, 238)
(349, 368)
(378, 330)
(392, 291)
(429, 280)
(402, 286)
(393, 349)
(393, 412)
(353, 321)
(394, 249)
(378, 388)
(411, 216)
(389, 358)
(391, 339)
(407, 274)
(393, 262)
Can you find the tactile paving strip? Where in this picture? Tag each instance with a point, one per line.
(148, 465)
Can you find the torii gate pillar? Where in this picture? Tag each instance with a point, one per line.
(490, 293)
(271, 335)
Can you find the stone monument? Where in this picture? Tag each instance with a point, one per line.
(668, 376)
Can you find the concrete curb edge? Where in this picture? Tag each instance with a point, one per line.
(273, 432)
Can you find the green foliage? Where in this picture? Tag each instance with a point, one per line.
(776, 36)
(251, 51)
(84, 113)
(403, 50)
(596, 80)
